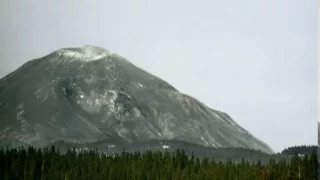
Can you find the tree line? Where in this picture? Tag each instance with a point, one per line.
(50, 164)
(302, 149)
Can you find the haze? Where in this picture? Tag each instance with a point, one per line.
(254, 59)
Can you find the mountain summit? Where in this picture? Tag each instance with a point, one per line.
(88, 94)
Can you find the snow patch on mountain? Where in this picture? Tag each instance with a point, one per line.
(85, 53)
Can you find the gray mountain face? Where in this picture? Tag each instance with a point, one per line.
(87, 94)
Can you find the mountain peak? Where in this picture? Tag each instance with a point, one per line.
(87, 94)
(84, 53)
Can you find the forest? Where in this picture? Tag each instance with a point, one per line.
(50, 164)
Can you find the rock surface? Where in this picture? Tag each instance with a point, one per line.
(87, 94)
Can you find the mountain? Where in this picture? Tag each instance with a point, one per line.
(88, 94)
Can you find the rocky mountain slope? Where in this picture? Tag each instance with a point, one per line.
(87, 94)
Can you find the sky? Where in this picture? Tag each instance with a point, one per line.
(253, 59)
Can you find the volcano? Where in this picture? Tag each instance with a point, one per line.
(88, 94)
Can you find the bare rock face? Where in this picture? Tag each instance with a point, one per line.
(87, 94)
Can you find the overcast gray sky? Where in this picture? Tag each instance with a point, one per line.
(254, 59)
